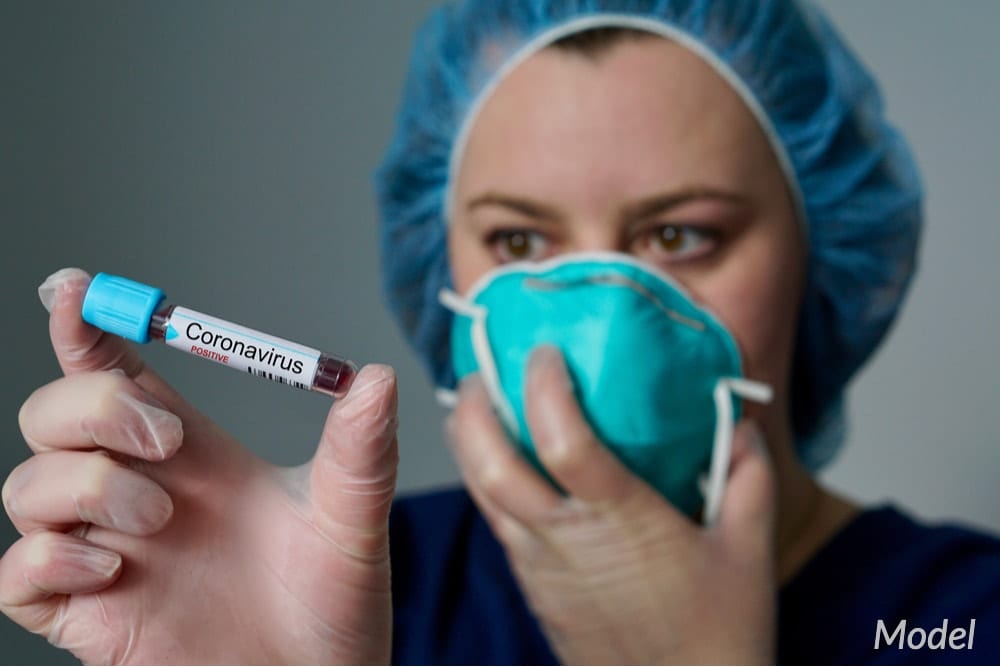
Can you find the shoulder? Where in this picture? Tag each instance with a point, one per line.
(455, 599)
(886, 571)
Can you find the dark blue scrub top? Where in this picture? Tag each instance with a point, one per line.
(456, 601)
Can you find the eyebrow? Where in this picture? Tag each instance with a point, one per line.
(526, 207)
(643, 209)
(659, 203)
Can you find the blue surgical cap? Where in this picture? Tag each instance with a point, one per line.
(850, 173)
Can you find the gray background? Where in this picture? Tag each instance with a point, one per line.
(224, 151)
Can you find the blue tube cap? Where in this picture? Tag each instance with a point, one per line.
(121, 306)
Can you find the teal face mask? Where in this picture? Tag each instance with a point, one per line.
(656, 376)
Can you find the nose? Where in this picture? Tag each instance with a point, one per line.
(600, 236)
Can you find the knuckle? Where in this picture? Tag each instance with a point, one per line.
(511, 534)
(118, 379)
(115, 417)
(107, 390)
(461, 422)
(463, 412)
(524, 546)
(495, 478)
(13, 487)
(22, 414)
(564, 455)
(93, 481)
(6, 495)
(38, 549)
(27, 411)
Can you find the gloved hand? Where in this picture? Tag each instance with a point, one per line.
(613, 572)
(152, 536)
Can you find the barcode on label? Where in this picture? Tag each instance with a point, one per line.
(275, 378)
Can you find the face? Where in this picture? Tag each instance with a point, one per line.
(644, 150)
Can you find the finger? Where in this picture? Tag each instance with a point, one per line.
(489, 461)
(566, 444)
(747, 517)
(100, 409)
(353, 475)
(512, 521)
(59, 489)
(521, 539)
(78, 345)
(42, 567)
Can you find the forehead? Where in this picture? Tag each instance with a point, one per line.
(642, 115)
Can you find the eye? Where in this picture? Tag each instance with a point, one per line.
(517, 245)
(677, 242)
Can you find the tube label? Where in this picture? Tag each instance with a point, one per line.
(244, 349)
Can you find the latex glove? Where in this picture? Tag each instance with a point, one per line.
(151, 536)
(614, 573)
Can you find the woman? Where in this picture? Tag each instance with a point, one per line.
(739, 150)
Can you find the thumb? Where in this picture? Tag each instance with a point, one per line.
(747, 518)
(353, 475)
(79, 346)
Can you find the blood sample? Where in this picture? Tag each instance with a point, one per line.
(140, 313)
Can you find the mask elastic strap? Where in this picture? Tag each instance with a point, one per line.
(484, 357)
(725, 388)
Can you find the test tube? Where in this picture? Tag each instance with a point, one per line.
(140, 312)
